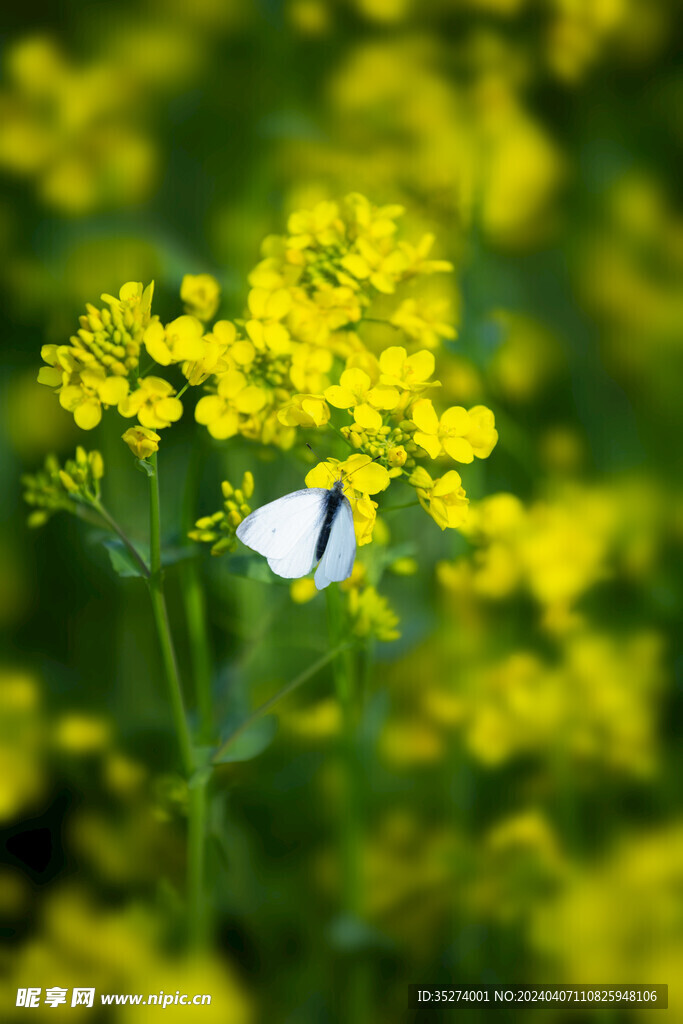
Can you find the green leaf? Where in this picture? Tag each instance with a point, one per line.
(171, 555)
(254, 569)
(144, 467)
(251, 742)
(121, 559)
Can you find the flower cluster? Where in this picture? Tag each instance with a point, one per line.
(54, 488)
(295, 360)
(219, 529)
(312, 286)
(94, 369)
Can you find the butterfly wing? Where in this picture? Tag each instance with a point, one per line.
(340, 552)
(286, 530)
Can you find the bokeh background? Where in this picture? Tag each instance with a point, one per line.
(521, 739)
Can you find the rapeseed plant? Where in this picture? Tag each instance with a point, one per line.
(299, 361)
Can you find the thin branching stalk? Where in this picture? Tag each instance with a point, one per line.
(197, 786)
(280, 695)
(130, 547)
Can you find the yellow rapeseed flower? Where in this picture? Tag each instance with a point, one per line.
(305, 411)
(372, 615)
(424, 322)
(220, 347)
(201, 294)
(407, 373)
(180, 341)
(458, 433)
(142, 441)
(153, 403)
(444, 499)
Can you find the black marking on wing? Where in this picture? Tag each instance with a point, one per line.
(334, 501)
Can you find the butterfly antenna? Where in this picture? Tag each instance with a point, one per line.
(348, 475)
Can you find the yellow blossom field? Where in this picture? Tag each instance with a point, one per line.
(426, 260)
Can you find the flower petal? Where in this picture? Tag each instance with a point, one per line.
(367, 417)
(429, 442)
(424, 417)
(88, 414)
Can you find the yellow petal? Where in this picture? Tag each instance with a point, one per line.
(383, 397)
(392, 359)
(278, 304)
(355, 380)
(317, 410)
(421, 365)
(113, 390)
(242, 352)
(339, 397)
(50, 375)
(70, 397)
(88, 414)
(367, 417)
(449, 483)
(225, 426)
(424, 417)
(224, 331)
(429, 442)
(209, 408)
(356, 265)
(384, 283)
(323, 475)
(251, 399)
(231, 383)
(367, 476)
(169, 409)
(130, 290)
(456, 420)
(155, 343)
(458, 448)
(277, 338)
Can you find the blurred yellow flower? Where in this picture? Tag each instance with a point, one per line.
(372, 615)
(424, 322)
(201, 294)
(55, 488)
(78, 733)
(22, 768)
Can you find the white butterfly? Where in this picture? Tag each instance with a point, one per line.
(302, 528)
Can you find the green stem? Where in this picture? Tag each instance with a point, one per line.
(183, 390)
(396, 508)
(197, 803)
(196, 615)
(280, 695)
(376, 320)
(338, 432)
(356, 1009)
(198, 925)
(113, 525)
(156, 590)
